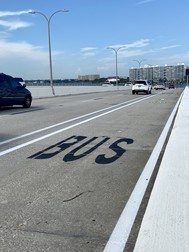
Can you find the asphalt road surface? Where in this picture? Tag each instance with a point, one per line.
(68, 166)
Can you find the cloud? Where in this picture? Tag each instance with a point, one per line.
(89, 54)
(135, 44)
(13, 13)
(137, 48)
(169, 47)
(14, 25)
(22, 58)
(86, 49)
(138, 44)
(174, 59)
(21, 49)
(27, 60)
(144, 2)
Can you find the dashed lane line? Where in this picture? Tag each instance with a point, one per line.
(2, 153)
(62, 123)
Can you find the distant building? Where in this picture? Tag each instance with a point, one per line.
(90, 77)
(158, 73)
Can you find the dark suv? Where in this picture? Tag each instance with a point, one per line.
(12, 92)
(171, 85)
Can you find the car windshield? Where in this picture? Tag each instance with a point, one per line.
(18, 79)
(140, 82)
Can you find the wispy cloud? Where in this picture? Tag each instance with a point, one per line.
(136, 44)
(88, 51)
(22, 49)
(23, 58)
(144, 2)
(13, 24)
(13, 13)
(169, 47)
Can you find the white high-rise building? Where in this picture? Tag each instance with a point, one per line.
(158, 73)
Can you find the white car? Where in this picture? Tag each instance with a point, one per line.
(143, 86)
(160, 86)
(128, 84)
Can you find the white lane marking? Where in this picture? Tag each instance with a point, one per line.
(67, 128)
(61, 123)
(120, 234)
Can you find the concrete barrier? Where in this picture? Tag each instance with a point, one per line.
(46, 91)
(165, 226)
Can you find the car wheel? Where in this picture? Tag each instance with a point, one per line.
(27, 102)
(133, 92)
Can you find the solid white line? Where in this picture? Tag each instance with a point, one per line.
(165, 223)
(67, 128)
(61, 123)
(120, 234)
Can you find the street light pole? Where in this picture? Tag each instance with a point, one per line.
(139, 62)
(116, 51)
(49, 41)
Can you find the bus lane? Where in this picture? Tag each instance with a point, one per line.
(65, 190)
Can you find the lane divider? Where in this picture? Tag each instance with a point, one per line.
(66, 128)
(61, 123)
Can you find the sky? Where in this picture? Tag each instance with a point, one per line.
(141, 33)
